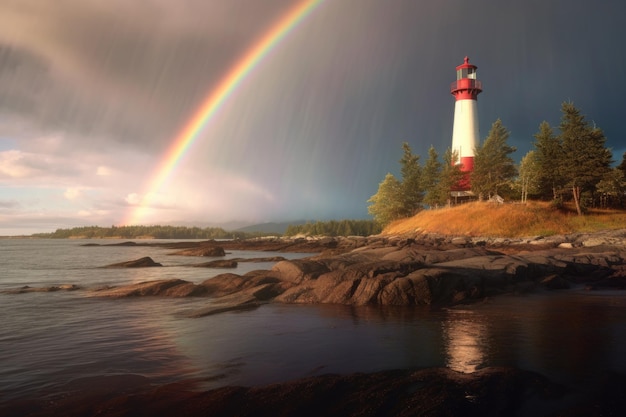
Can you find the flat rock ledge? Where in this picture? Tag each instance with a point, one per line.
(52, 288)
(144, 262)
(399, 393)
(416, 271)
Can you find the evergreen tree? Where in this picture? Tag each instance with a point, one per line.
(449, 176)
(622, 165)
(386, 204)
(612, 188)
(585, 158)
(493, 167)
(430, 178)
(549, 153)
(528, 179)
(412, 193)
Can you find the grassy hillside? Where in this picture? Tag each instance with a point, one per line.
(507, 220)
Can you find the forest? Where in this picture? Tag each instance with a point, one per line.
(571, 165)
(145, 232)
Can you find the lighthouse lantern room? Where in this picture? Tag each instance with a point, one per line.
(465, 133)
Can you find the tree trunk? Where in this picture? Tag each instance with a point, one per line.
(576, 194)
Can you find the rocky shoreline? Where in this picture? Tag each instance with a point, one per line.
(429, 270)
(401, 271)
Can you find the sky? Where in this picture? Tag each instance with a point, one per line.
(93, 94)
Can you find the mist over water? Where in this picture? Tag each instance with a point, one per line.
(49, 339)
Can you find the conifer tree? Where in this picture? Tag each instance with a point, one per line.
(549, 154)
(493, 167)
(585, 158)
(622, 165)
(386, 204)
(412, 193)
(612, 188)
(430, 178)
(449, 176)
(528, 179)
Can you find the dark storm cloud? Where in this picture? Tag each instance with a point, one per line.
(136, 70)
(121, 70)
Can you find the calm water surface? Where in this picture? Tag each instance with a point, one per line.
(48, 339)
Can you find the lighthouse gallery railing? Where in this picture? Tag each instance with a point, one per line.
(466, 84)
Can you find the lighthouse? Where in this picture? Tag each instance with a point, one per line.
(465, 135)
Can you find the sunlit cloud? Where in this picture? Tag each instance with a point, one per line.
(133, 199)
(104, 171)
(72, 193)
(12, 166)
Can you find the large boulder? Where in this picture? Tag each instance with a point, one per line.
(298, 270)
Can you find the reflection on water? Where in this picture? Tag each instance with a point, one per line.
(465, 338)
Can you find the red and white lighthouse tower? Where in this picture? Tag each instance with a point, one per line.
(465, 134)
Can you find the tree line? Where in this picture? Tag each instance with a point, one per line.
(325, 228)
(335, 228)
(138, 232)
(571, 165)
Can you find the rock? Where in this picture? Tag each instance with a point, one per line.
(555, 282)
(144, 262)
(425, 270)
(299, 270)
(204, 250)
(593, 242)
(265, 259)
(222, 263)
(53, 288)
(460, 241)
(168, 287)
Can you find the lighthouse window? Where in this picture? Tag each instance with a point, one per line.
(466, 73)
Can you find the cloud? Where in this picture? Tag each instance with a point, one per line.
(133, 199)
(104, 171)
(72, 193)
(9, 204)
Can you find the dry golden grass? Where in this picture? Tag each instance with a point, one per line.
(507, 220)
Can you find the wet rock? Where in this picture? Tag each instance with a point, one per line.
(144, 262)
(555, 282)
(203, 250)
(299, 270)
(222, 263)
(168, 287)
(415, 271)
(53, 288)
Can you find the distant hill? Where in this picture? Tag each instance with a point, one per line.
(507, 220)
(270, 227)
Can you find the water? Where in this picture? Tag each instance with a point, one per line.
(48, 339)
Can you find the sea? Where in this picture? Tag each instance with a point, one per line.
(48, 339)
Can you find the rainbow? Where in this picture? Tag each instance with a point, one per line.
(217, 97)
